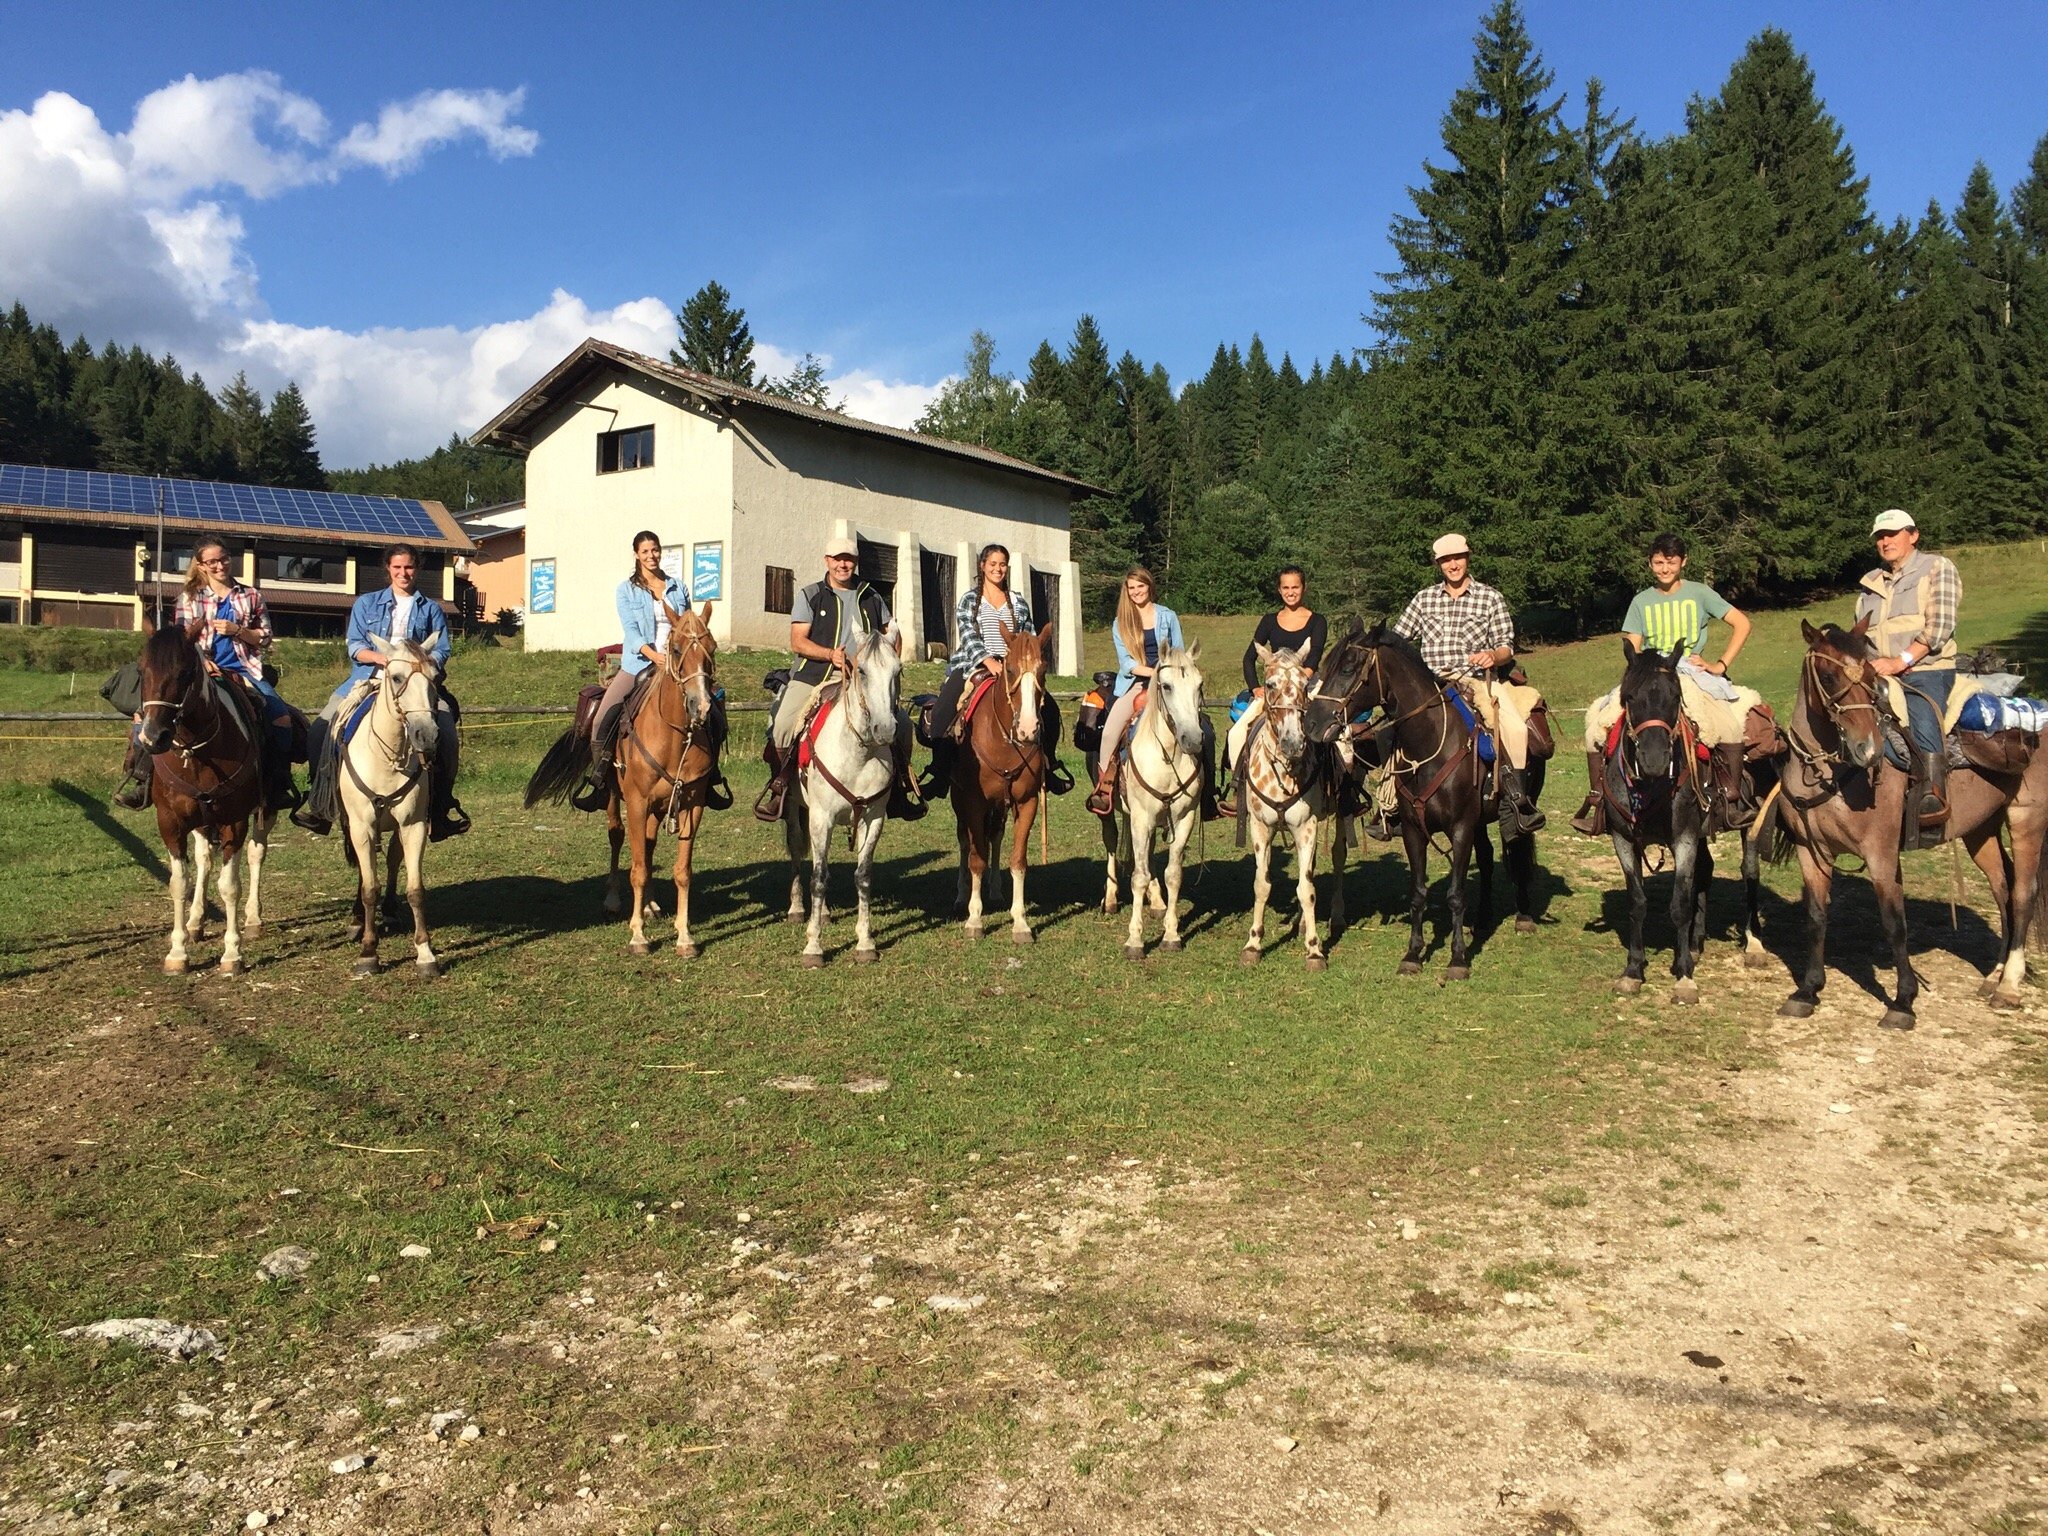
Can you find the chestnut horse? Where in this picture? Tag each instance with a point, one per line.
(208, 789)
(1840, 796)
(1000, 771)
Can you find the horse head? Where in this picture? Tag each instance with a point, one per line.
(1176, 692)
(170, 671)
(408, 691)
(1024, 677)
(1650, 705)
(690, 658)
(1286, 670)
(870, 692)
(1329, 696)
(1838, 684)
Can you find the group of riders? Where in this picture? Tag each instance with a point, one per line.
(1462, 627)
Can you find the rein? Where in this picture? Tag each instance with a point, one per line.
(189, 751)
(381, 805)
(1823, 764)
(1171, 751)
(686, 730)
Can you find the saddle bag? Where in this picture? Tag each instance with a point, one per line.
(587, 700)
(1761, 738)
(2006, 752)
(775, 682)
(1542, 745)
(921, 705)
(123, 689)
(1093, 711)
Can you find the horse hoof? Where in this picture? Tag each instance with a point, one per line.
(1525, 925)
(232, 967)
(1169, 946)
(174, 967)
(1318, 963)
(1628, 986)
(251, 930)
(637, 947)
(792, 917)
(867, 956)
(1023, 936)
(1686, 992)
(814, 962)
(1988, 987)
(973, 931)
(1247, 957)
(1756, 959)
(1457, 973)
(2005, 1002)
(1134, 951)
(1795, 1008)
(686, 951)
(427, 970)
(1410, 968)
(363, 968)
(1896, 1018)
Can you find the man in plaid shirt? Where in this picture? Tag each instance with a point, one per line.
(1912, 600)
(1465, 631)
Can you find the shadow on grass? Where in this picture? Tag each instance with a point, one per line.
(1377, 887)
(94, 808)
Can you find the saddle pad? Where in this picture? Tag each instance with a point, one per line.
(806, 744)
(1484, 737)
(974, 697)
(1699, 746)
(1961, 691)
(353, 720)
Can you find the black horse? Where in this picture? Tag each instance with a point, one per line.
(1658, 793)
(1443, 786)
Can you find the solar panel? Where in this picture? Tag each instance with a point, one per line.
(216, 502)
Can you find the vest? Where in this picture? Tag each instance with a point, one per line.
(1894, 604)
(824, 600)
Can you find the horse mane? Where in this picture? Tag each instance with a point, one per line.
(1848, 642)
(1383, 634)
(165, 648)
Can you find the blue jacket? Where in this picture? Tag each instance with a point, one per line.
(371, 615)
(637, 616)
(1165, 625)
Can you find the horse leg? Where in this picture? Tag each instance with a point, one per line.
(1460, 968)
(798, 847)
(1169, 939)
(615, 832)
(688, 820)
(1417, 842)
(821, 839)
(1521, 861)
(1630, 858)
(1685, 857)
(645, 828)
(1340, 842)
(364, 838)
(1305, 889)
(1109, 844)
(1753, 954)
(394, 861)
(1482, 849)
(1989, 855)
(412, 840)
(1702, 888)
(202, 866)
(975, 842)
(174, 855)
(1141, 877)
(1891, 906)
(1262, 887)
(863, 885)
(1020, 850)
(965, 892)
(1818, 876)
(255, 846)
(230, 903)
(2026, 895)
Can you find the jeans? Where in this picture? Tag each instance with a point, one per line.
(1926, 704)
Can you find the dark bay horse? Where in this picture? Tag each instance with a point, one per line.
(1840, 796)
(208, 788)
(999, 775)
(1443, 786)
(1658, 794)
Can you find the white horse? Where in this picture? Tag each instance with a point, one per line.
(1161, 782)
(847, 779)
(1274, 789)
(386, 791)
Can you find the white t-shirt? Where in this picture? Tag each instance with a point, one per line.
(401, 615)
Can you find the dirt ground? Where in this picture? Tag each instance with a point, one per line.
(1822, 1312)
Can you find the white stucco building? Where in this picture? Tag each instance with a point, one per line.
(744, 488)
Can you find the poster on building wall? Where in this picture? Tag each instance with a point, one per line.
(707, 572)
(673, 557)
(540, 587)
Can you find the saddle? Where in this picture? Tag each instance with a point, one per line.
(1481, 737)
(820, 711)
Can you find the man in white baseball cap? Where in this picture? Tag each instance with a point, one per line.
(1912, 601)
(1465, 631)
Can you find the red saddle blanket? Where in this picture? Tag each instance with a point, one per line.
(1614, 742)
(806, 744)
(974, 698)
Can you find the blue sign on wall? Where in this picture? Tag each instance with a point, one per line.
(540, 587)
(707, 572)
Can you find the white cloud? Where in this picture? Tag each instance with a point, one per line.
(109, 235)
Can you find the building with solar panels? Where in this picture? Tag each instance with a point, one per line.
(744, 488)
(80, 546)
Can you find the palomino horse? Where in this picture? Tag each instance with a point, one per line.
(208, 789)
(1161, 783)
(386, 792)
(1839, 796)
(1441, 783)
(1001, 771)
(1277, 790)
(851, 765)
(1658, 794)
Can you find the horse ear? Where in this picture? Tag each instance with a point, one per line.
(1193, 651)
(1811, 635)
(195, 630)
(1265, 653)
(704, 613)
(148, 626)
(1007, 633)
(383, 643)
(1861, 627)
(1677, 652)
(1628, 651)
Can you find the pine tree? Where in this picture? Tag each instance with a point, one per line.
(2028, 346)
(977, 407)
(288, 456)
(805, 384)
(714, 337)
(241, 408)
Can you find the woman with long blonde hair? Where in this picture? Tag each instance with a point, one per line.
(1143, 630)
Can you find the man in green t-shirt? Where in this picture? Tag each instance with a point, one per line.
(1675, 611)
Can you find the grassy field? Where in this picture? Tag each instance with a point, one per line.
(158, 1136)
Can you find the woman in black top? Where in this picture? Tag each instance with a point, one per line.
(1288, 625)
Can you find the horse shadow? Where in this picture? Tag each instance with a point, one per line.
(912, 894)
(94, 808)
(1382, 892)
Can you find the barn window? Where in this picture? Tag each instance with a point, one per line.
(781, 594)
(630, 449)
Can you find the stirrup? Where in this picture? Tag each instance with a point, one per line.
(768, 804)
(1379, 827)
(450, 821)
(718, 794)
(1057, 779)
(593, 794)
(308, 820)
(133, 795)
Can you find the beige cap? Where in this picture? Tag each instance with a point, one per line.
(840, 544)
(1450, 544)
(1892, 519)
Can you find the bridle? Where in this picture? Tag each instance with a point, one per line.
(406, 759)
(1293, 702)
(1026, 753)
(675, 667)
(188, 752)
(1174, 750)
(1833, 706)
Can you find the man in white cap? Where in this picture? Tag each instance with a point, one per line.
(1912, 601)
(824, 623)
(1465, 631)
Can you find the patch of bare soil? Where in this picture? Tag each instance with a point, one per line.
(1824, 1311)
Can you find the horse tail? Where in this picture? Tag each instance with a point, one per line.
(561, 770)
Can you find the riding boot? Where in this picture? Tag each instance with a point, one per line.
(1517, 813)
(1225, 799)
(323, 794)
(1738, 804)
(133, 795)
(595, 792)
(1102, 799)
(1592, 815)
(1926, 800)
(937, 780)
(1211, 810)
(905, 804)
(279, 794)
(781, 770)
(445, 816)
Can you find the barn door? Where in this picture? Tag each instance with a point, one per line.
(1045, 612)
(877, 566)
(935, 597)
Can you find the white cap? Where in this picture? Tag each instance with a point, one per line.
(840, 544)
(1450, 544)
(1892, 520)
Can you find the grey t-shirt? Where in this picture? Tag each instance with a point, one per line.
(801, 612)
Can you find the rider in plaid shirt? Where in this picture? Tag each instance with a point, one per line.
(1465, 631)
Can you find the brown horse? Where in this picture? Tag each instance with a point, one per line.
(1001, 772)
(208, 788)
(1839, 796)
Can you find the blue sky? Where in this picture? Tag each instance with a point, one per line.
(871, 184)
